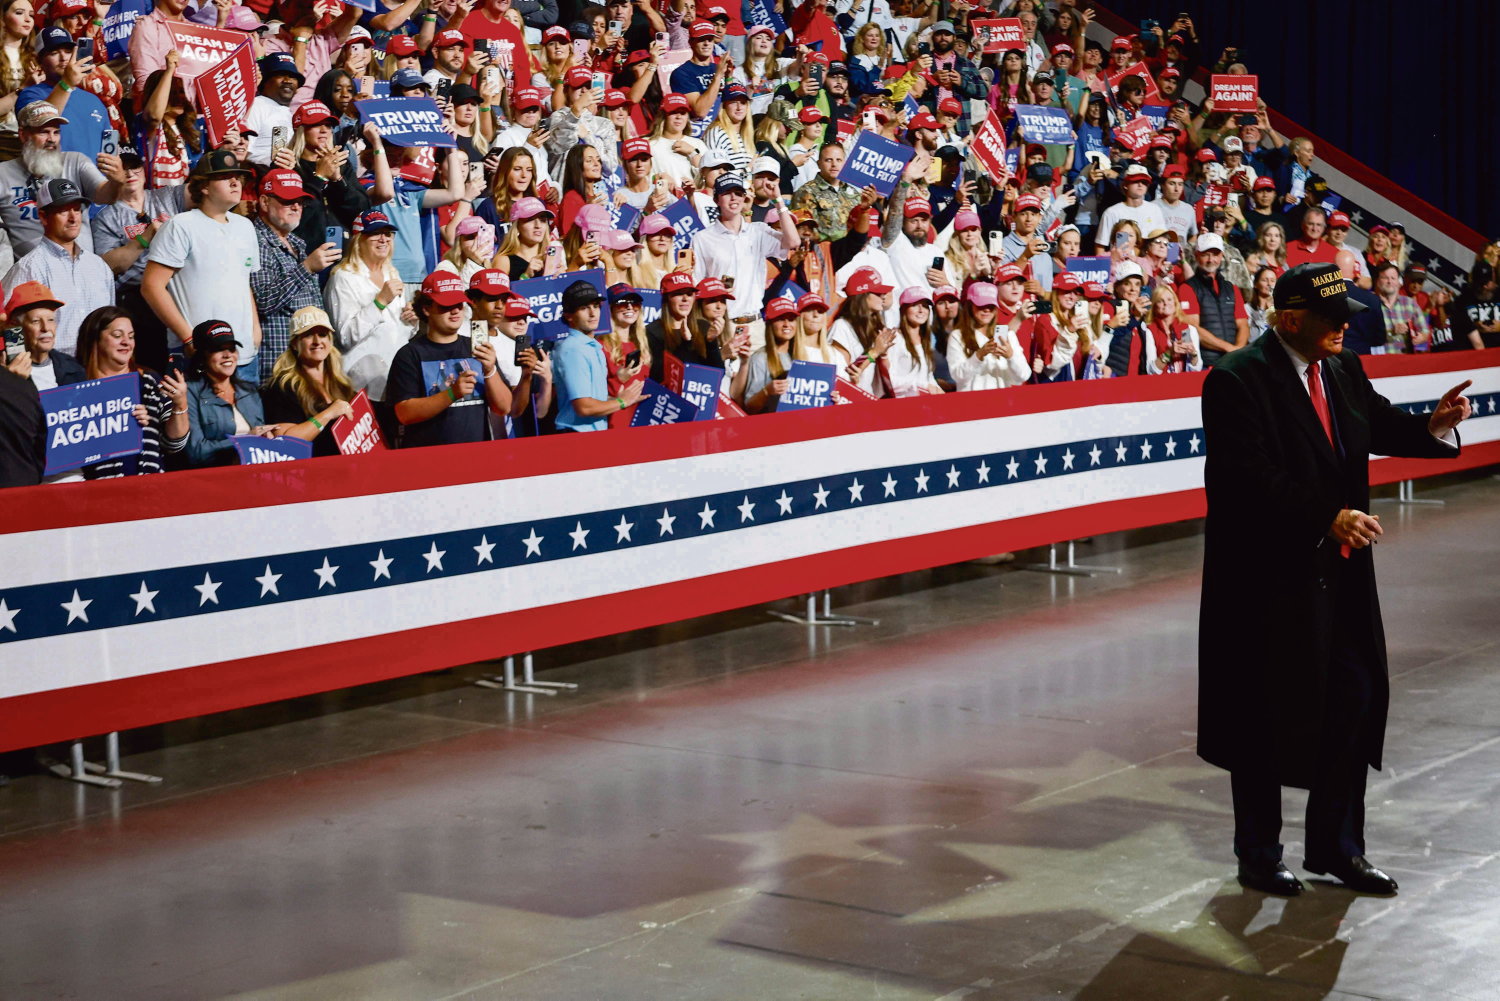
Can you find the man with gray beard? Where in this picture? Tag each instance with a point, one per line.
(42, 157)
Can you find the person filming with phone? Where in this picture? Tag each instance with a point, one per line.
(65, 64)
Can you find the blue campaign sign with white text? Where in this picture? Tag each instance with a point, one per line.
(809, 385)
(1090, 269)
(700, 387)
(1042, 124)
(659, 405)
(1156, 113)
(876, 160)
(545, 296)
(764, 12)
(254, 450)
(685, 222)
(407, 121)
(91, 421)
(650, 305)
(119, 23)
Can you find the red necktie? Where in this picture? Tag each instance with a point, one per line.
(1320, 404)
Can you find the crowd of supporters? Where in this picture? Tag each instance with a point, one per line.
(260, 284)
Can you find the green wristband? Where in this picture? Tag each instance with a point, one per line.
(451, 398)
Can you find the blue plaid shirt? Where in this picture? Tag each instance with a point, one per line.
(281, 287)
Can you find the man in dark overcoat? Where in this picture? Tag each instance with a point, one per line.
(1292, 686)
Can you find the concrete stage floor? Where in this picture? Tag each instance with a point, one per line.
(990, 795)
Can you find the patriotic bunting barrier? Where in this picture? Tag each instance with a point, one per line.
(269, 582)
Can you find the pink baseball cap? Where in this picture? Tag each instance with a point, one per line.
(468, 225)
(965, 219)
(617, 239)
(528, 208)
(982, 294)
(594, 218)
(656, 223)
(944, 292)
(914, 295)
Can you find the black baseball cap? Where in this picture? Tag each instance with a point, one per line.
(578, 295)
(1320, 288)
(219, 162)
(213, 335)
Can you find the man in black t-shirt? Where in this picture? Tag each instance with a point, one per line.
(440, 381)
(1474, 318)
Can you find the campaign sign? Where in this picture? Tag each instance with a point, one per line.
(1040, 124)
(988, 146)
(764, 12)
(1140, 70)
(254, 450)
(650, 305)
(809, 385)
(1234, 93)
(997, 34)
(407, 121)
(92, 421)
(1090, 269)
(1215, 195)
(1156, 113)
(843, 128)
(358, 433)
(1135, 135)
(545, 296)
(119, 23)
(700, 387)
(910, 105)
(659, 405)
(225, 92)
(202, 48)
(846, 392)
(685, 222)
(624, 216)
(876, 160)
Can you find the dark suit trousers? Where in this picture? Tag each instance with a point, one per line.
(1336, 802)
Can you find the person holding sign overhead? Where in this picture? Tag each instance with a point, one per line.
(583, 400)
(440, 380)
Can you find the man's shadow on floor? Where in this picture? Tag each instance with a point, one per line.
(1286, 949)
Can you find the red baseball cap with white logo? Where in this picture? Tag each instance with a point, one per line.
(615, 99)
(923, 120)
(1066, 282)
(712, 288)
(528, 97)
(634, 148)
(865, 280)
(1263, 184)
(1009, 272)
(916, 207)
(780, 307)
(314, 113)
(449, 37)
(284, 184)
(401, 45)
(445, 288)
(579, 76)
(678, 283)
(701, 30)
(950, 106)
(1094, 290)
(490, 281)
(556, 33)
(1027, 203)
(673, 103)
(1338, 220)
(811, 300)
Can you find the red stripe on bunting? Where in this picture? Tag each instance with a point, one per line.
(46, 717)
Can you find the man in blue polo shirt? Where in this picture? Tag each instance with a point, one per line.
(582, 381)
(84, 116)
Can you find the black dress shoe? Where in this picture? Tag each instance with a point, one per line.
(1356, 873)
(1270, 877)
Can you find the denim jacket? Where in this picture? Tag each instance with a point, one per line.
(211, 421)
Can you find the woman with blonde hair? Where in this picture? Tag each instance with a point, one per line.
(627, 352)
(621, 257)
(709, 328)
(1062, 336)
(984, 353)
(657, 258)
(671, 332)
(523, 252)
(1126, 251)
(765, 375)
(1173, 341)
(674, 152)
(1270, 249)
(18, 65)
(733, 133)
(307, 390)
(967, 257)
(553, 58)
(472, 248)
(515, 178)
(860, 333)
(367, 300)
(1094, 341)
(869, 55)
(812, 343)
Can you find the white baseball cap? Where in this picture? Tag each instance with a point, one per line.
(1210, 241)
(1128, 269)
(765, 165)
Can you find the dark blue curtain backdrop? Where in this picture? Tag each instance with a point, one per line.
(1409, 89)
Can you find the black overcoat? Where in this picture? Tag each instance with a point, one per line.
(1274, 485)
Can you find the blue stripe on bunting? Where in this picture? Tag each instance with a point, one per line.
(204, 588)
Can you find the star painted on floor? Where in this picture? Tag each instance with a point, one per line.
(145, 600)
(267, 582)
(1151, 881)
(78, 608)
(382, 565)
(533, 543)
(483, 552)
(1094, 775)
(805, 836)
(580, 536)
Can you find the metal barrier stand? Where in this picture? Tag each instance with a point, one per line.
(823, 618)
(1070, 568)
(528, 683)
(107, 776)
